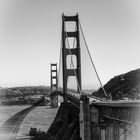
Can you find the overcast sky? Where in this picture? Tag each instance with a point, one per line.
(30, 35)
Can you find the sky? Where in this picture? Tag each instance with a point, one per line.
(30, 37)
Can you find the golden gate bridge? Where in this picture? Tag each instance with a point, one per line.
(99, 118)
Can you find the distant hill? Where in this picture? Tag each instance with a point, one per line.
(23, 91)
(121, 86)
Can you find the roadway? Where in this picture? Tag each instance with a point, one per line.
(11, 126)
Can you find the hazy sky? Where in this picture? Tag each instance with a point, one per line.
(30, 32)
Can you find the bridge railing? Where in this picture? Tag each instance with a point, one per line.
(121, 111)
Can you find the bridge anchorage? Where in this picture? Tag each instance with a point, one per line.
(101, 119)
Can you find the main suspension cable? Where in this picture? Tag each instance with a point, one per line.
(60, 57)
(92, 59)
(73, 47)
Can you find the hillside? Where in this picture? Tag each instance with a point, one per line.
(22, 95)
(24, 91)
(124, 85)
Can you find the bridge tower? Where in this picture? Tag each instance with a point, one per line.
(54, 86)
(70, 51)
(85, 132)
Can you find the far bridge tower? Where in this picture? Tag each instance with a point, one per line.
(54, 86)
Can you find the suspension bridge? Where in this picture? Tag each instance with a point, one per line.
(99, 118)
